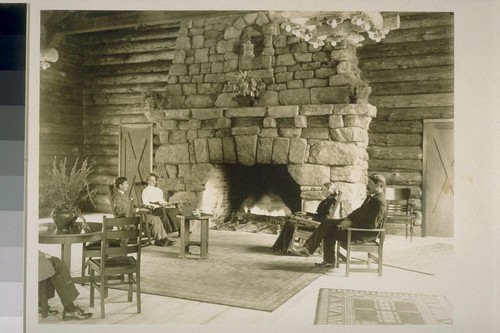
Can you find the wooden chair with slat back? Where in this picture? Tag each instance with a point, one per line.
(304, 227)
(399, 208)
(124, 260)
(374, 250)
(93, 249)
(135, 201)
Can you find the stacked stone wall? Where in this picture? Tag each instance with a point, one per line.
(319, 143)
(208, 51)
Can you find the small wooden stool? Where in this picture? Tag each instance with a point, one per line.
(185, 234)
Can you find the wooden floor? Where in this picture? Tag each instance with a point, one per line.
(299, 311)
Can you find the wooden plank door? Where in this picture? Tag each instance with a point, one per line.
(438, 183)
(135, 152)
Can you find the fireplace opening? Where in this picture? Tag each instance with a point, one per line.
(262, 189)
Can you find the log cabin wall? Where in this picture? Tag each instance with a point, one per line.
(61, 119)
(119, 66)
(411, 76)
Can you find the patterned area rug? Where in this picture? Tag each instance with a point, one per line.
(430, 259)
(357, 307)
(241, 272)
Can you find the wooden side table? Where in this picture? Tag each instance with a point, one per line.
(185, 234)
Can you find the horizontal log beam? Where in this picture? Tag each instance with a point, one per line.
(386, 127)
(405, 49)
(104, 160)
(402, 178)
(395, 153)
(408, 61)
(113, 120)
(82, 24)
(425, 20)
(133, 35)
(395, 139)
(102, 140)
(416, 35)
(102, 130)
(110, 110)
(411, 74)
(129, 58)
(129, 79)
(125, 88)
(109, 99)
(398, 114)
(58, 149)
(61, 109)
(395, 165)
(130, 47)
(139, 68)
(405, 101)
(102, 150)
(411, 87)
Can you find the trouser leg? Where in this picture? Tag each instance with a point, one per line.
(172, 216)
(317, 236)
(157, 230)
(284, 241)
(329, 241)
(62, 282)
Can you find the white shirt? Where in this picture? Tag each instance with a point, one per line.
(152, 194)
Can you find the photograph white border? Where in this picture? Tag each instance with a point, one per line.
(476, 175)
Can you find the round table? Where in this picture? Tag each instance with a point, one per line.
(48, 234)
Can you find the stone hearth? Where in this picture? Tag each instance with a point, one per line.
(317, 143)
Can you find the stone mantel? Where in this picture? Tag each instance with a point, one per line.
(318, 143)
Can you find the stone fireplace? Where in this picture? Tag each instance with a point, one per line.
(310, 124)
(217, 158)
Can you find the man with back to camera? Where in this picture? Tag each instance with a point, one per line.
(122, 202)
(368, 216)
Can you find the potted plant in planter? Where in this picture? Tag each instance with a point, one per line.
(67, 193)
(247, 87)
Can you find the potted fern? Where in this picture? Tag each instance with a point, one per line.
(66, 193)
(247, 87)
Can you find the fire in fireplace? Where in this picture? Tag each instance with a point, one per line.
(262, 189)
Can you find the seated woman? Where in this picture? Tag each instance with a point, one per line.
(326, 209)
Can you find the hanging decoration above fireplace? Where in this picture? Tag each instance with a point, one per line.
(321, 28)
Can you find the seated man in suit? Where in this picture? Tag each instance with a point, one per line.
(324, 210)
(369, 216)
(122, 202)
(55, 275)
(152, 196)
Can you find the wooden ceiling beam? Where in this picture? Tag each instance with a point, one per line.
(84, 23)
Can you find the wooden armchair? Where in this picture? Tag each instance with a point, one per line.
(124, 260)
(374, 250)
(399, 208)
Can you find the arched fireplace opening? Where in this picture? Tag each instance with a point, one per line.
(262, 189)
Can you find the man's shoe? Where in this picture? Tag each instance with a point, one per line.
(51, 312)
(167, 242)
(299, 251)
(324, 264)
(159, 242)
(79, 314)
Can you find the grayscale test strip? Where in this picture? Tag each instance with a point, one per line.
(12, 139)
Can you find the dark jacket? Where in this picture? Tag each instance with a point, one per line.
(121, 204)
(369, 216)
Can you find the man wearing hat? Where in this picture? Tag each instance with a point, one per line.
(369, 216)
